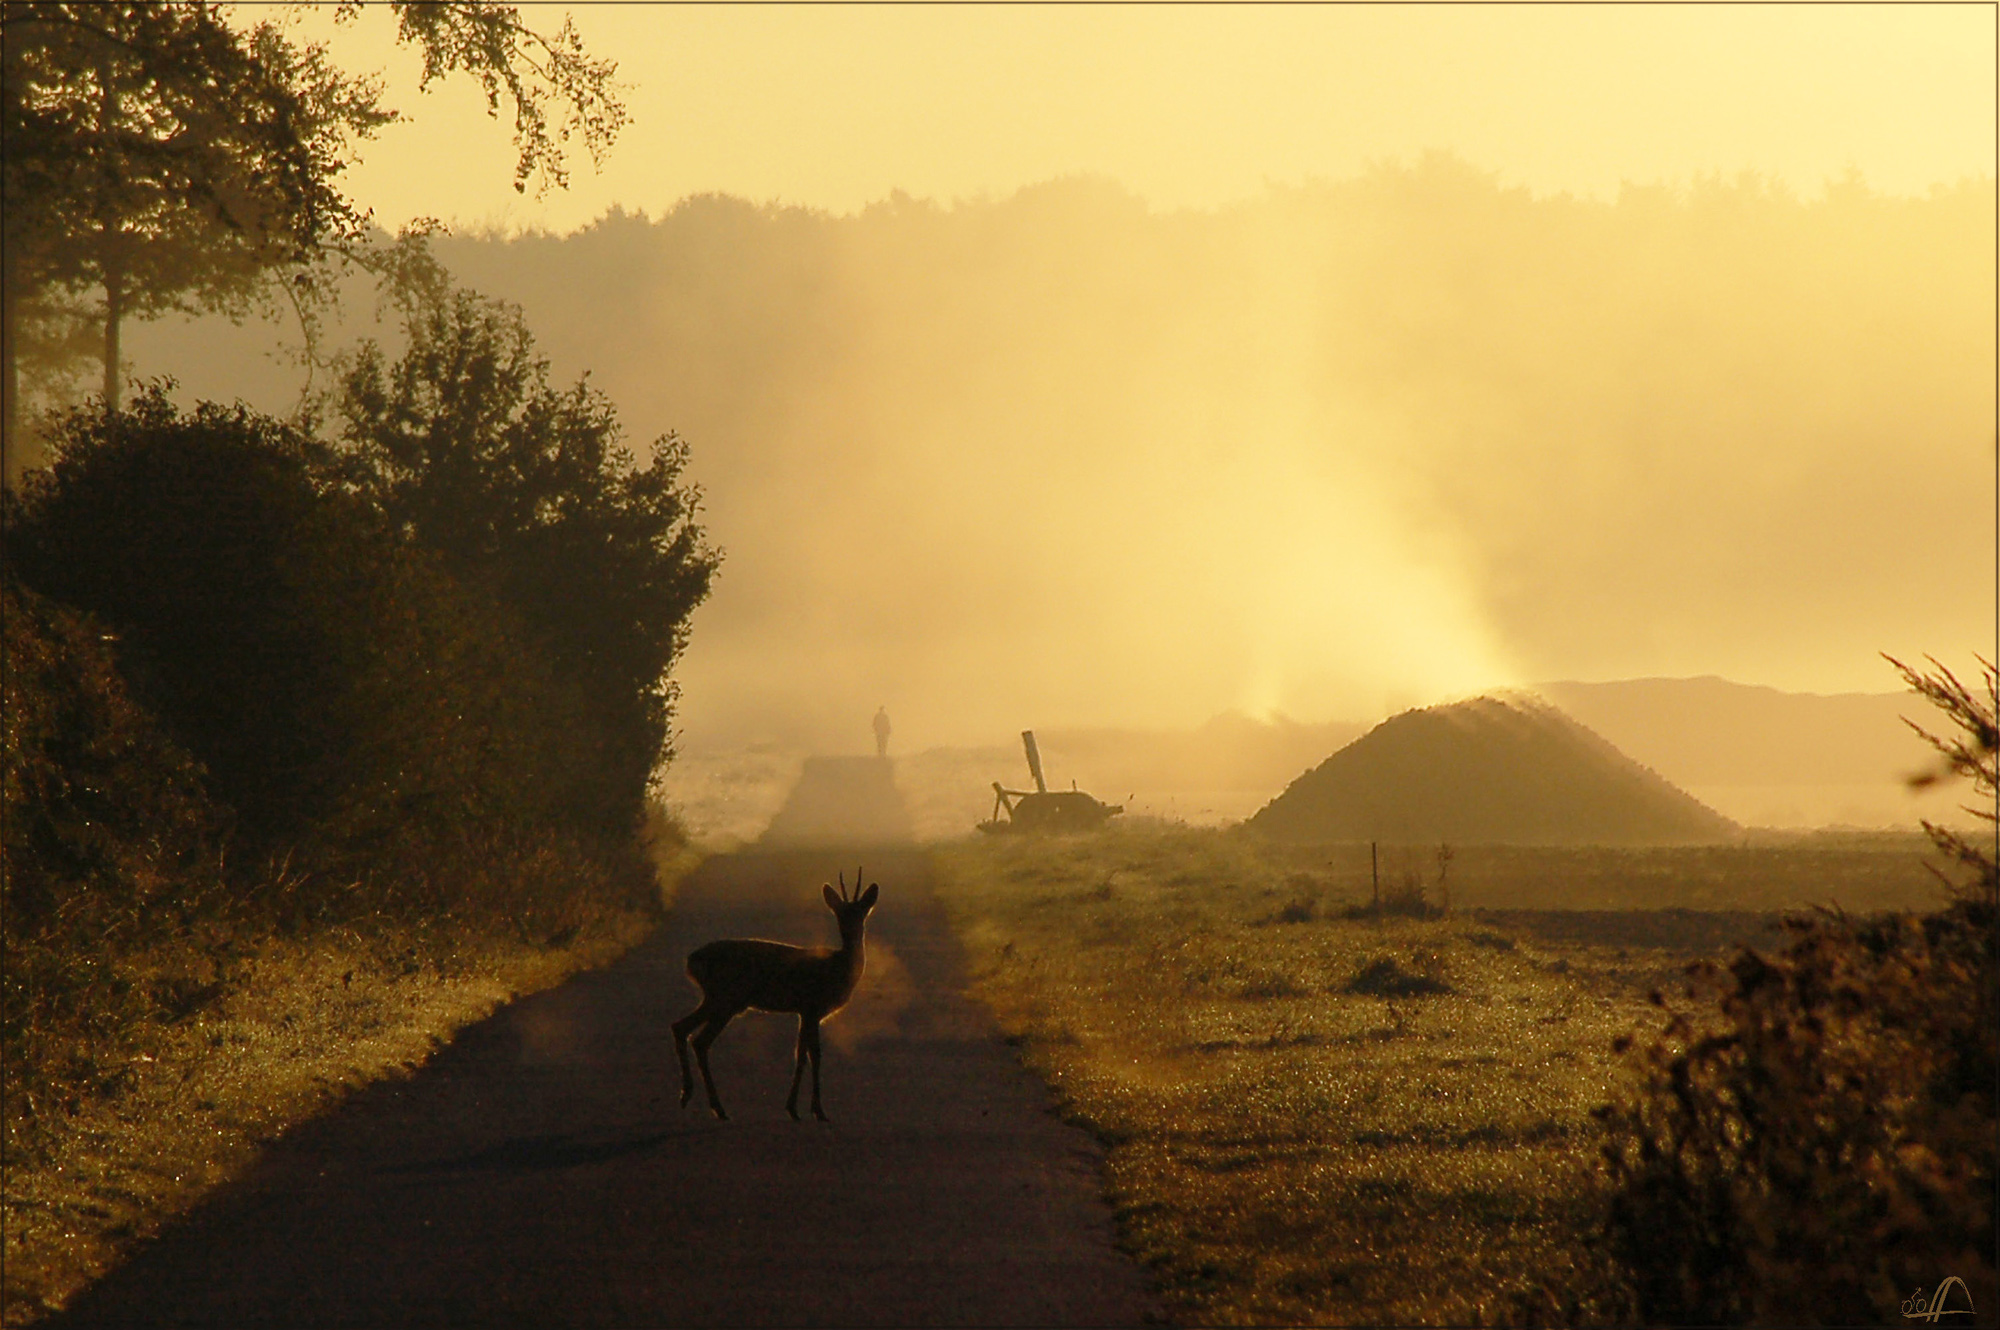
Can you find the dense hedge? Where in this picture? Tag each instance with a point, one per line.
(338, 689)
(1820, 1147)
(103, 818)
(1828, 1145)
(527, 497)
(461, 614)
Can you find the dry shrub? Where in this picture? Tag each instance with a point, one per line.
(103, 818)
(1402, 899)
(1828, 1144)
(1387, 977)
(1823, 1145)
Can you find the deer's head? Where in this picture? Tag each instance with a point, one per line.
(851, 911)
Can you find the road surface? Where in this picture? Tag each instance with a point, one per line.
(540, 1170)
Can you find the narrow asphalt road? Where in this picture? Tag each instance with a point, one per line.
(540, 1171)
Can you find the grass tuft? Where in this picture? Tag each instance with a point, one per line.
(1318, 1117)
(1386, 977)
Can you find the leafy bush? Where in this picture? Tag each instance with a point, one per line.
(1824, 1142)
(392, 733)
(102, 817)
(335, 688)
(527, 496)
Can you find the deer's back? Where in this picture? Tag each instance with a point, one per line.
(771, 976)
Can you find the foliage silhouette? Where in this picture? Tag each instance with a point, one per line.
(527, 496)
(1825, 1141)
(335, 684)
(160, 155)
(1973, 753)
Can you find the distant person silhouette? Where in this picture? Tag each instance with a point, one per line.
(881, 731)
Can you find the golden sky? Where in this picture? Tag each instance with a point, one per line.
(835, 106)
(1057, 454)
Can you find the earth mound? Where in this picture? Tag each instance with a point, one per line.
(1489, 771)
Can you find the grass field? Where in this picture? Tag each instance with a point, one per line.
(174, 1110)
(191, 1106)
(1324, 1119)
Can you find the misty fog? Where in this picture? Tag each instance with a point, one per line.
(1059, 459)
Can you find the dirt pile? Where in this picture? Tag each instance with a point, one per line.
(1492, 770)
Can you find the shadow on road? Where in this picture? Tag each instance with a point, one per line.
(541, 1171)
(531, 1153)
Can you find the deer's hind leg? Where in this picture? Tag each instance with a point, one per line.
(713, 1021)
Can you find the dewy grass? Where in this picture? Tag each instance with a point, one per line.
(1287, 1144)
(166, 1111)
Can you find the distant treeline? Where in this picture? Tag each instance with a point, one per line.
(1142, 457)
(1612, 406)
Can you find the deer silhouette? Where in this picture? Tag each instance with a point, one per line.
(736, 974)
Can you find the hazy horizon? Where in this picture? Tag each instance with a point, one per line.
(1052, 366)
(839, 107)
(1061, 459)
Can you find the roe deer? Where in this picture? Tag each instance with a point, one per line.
(740, 973)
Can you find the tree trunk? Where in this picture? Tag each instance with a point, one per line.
(111, 259)
(10, 386)
(114, 314)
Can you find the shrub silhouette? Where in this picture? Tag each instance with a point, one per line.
(1823, 1143)
(270, 620)
(527, 497)
(102, 816)
(1385, 977)
(348, 700)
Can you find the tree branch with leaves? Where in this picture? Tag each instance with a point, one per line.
(173, 162)
(1970, 750)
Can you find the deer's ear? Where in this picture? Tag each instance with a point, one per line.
(832, 901)
(868, 896)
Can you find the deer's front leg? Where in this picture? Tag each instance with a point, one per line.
(701, 1042)
(799, 1071)
(809, 1036)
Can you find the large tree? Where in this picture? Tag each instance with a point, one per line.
(527, 493)
(157, 155)
(335, 684)
(160, 156)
